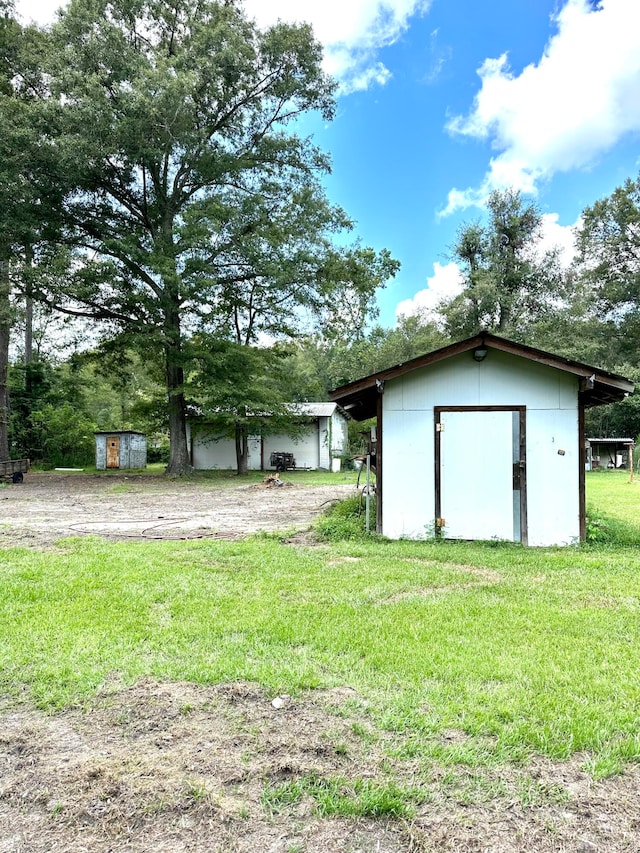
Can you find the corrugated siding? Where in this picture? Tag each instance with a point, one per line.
(132, 450)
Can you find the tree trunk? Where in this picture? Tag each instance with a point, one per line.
(5, 325)
(28, 331)
(242, 449)
(28, 317)
(179, 463)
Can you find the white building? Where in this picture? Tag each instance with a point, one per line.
(320, 438)
(482, 439)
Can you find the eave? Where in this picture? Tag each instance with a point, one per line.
(596, 387)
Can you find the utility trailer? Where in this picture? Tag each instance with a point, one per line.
(14, 469)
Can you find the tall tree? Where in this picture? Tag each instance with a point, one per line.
(510, 282)
(609, 261)
(31, 185)
(21, 162)
(193, 203)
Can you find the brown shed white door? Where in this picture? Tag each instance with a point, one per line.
(113, 451)
(478, 483)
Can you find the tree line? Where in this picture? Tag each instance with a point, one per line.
(158, 195)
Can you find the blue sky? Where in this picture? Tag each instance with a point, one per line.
(442, 101)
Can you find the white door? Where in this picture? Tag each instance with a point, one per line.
(476, 475)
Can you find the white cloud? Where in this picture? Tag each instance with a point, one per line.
(352, 32)
(562, 113)
(445, 283)
(38, 11)
(556, 236)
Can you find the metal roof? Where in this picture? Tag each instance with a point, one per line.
(315, 410)
(611, 441)
(310, 410)
(597, 387)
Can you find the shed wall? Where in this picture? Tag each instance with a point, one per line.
(132, 450)
(213, 451)
(134, 455)
(304, 445)
(551, 400)
(101, 452)
(339, 433)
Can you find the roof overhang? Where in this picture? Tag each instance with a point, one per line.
(596, 387)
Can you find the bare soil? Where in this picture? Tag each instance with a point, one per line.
(47, 506)
(179, 768)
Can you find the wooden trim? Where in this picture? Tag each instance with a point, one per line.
(438, 469)
(405, 367)
(480, 409)
(437, 411)
(582, 462)
(524, 523)
(379, 409)
(607, 387)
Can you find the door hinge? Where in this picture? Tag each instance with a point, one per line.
(440, 427)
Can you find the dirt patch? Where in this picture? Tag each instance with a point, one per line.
(46, 507)
(177, 767)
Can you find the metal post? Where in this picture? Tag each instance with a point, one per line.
(367, 502)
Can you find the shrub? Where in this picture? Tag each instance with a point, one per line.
(347, 519)
(65, 435)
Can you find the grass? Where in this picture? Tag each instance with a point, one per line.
(518, 651)
(613, 511)
(345, 798)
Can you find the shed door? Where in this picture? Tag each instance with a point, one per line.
(480, 474)
(113, 451)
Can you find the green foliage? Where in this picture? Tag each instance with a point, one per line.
(65, 435)
(346, 519)
(190, 203)
(104, 391)
(242, 390)
(609, 251)
(158, 450)
(617, 419)
(324, 363)
(509, 283)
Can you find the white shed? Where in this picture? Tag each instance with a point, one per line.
(321, 438)
(482, 439)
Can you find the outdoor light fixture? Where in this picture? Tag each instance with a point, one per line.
(480, 353)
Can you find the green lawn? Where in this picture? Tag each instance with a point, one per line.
(521, 651)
